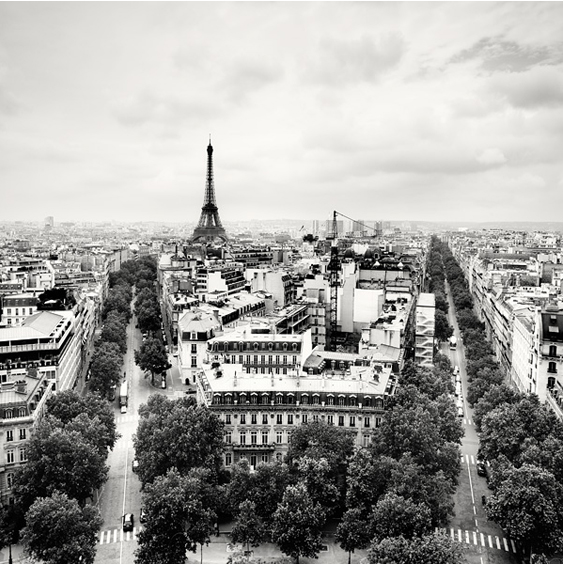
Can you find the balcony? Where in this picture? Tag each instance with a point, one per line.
(260, 447)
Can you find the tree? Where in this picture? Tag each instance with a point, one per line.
(528, 505)
(395, 516)
(315, 474)
(248, 528)
(114, 330)
(505, 429)
(67, 405)
(494, 397)
(105, 368)
(353, 531)
(59, 460)
(443, 330)
(176, 433)
(434, 548)
(178, 519)
(152, 357)
(59, 531)
(297, 524)
(239, 488)
(268, 484)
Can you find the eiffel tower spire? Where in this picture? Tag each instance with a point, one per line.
(209, 227)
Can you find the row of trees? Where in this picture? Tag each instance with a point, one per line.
(400, 487)
(521, 438)
(436, 285)
(66, 464)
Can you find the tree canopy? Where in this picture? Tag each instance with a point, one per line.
(176, 433)
(58, 530)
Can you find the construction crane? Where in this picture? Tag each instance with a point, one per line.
(334, 267)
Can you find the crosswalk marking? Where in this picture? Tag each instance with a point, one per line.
(127, 418)
(493, 541)
(107, 537)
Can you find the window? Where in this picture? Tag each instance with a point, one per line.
(247, 359)
(365, 440)
(330, 400)
(552, 350)
(265, 418)
(341, 420)
(9, 480)
(378, 422)
(228, 418)
(552, 367)
(279, 437)
(243, 418)
(294, 360)
(253, 461)
(290, 419)
(228, 399)
(315, 418)
(243, 438)
(367, 421)
(315, 400)
(284, 359)
(10, 457)
(277, 359)
(330, 420)
(253, 419)
(228, 459)
(23, 433)
(352, 421)
(255, 359)
(194, 348)
(194, 362)
(8, 414)
(278, 419)
(340, 400)
(9, 436)
(304, 418)
(264, 458)
(279, 399)
(240, 359)
(22, 412)
(270, 359)
(254, 399)
(228, 437)
(278, 457)
(253, 437)
(264, 437)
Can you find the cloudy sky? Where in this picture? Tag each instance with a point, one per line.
(380, 110)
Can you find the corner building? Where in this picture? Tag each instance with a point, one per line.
(261, 405)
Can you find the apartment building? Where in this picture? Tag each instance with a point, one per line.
(425, 330)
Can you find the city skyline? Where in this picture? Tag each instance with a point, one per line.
(422, 111)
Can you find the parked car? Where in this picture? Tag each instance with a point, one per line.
(456, 370)
(460, 411)
(123, 409)
(134, 465)
(142, 515)
(128, 522)
(481, 468)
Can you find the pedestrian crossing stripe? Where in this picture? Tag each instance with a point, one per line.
(491, 542)
(127, 418)
(471, 460)
(118, 535)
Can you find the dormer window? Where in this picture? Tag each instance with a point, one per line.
(193, 336)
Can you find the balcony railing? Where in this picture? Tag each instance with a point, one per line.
(262, 447)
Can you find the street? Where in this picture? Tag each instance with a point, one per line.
(486, 540)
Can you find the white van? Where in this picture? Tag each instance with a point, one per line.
(458, 389)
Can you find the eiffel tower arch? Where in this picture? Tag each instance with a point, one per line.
(209, 227)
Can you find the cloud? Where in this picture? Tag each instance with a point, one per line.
(168, 110)
(539, 87)
(491, 157)
(496, 54)
(246, 77)
(359, 60)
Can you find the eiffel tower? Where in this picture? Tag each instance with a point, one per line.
(209, 227)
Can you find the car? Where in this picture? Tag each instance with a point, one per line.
(128, 522)
(456, 370)
(481, 468)
(460, 412)
(123, 409)
(134, 465)
(142, 515)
